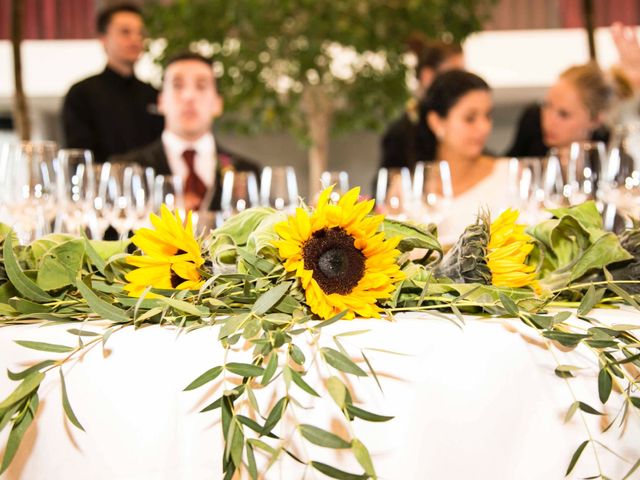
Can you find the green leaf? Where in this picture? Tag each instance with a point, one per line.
(572, 410)
(265, 447)
(25, 373)
(373, 372)
(298, 380)
(251, 462)
(28, 385)
(341, 362)
(237, 444)
(604, 385)
(635, 401)
(337, 390)
(333, 472)
(268, 299)
(588, 409)
(244, 369)
(271, 368)
(44, 347)
(66, 405)
(296, 354)
(275, 415)
(83, 333)
(253, 425)
(60, 265)
(590, 299)
(95, 258)
(99, 306)
(206, 377)
(576, 456)
(232, 324)
(508, 304)
(183, 306)
(18, 431)
(333, 319)
(566, 371)
(365, 415)
(27, 287)
(27, 307)
(362, 455)
(623, 294)
(322, 438)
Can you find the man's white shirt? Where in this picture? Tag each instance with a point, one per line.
(205, 158)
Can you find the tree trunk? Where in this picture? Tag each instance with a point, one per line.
(20, 110)
(317, 109)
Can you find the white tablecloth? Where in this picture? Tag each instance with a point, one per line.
(481, 402)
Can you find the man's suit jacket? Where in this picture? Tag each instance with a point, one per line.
(153, 155)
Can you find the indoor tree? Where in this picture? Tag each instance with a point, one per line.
(314, 68)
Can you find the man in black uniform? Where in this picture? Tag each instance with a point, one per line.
(113, 112)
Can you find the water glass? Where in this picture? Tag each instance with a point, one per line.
(76, 189)
(279, 188)
(239, 192)
(432, 191)
(393, 192)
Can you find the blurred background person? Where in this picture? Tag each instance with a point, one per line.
(189, 101)
(400, 144)
(455, 123)
(574, 110)
(113, 112)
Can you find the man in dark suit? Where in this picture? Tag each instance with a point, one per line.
(189, 101)
(113, 112)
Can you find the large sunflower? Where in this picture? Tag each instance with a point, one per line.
(507, 251)
(171, 257)
(342, 260)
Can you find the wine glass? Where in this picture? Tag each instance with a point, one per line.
(113, 198)
(31, 188)
(393, 192)
(239, 192)
(76, 188)
(279, 188)
(432, 191)
(340, 181)
(168, 190)
(620, 182)
(525, 188)
(585, 162)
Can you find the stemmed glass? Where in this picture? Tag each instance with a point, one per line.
(394, 192)
(571, 175)
(620, 182)
(76, 189)
(113, 197)
(432, 191)
(279, 188)
(239, 192)
(168, 190)
(526, 192)
(31, 188)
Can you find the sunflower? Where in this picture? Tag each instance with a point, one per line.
(507, 251)
(171, 257)
(342, 260)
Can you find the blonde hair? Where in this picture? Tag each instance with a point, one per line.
(592, 86)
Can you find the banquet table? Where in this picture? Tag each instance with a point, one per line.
(477, 401)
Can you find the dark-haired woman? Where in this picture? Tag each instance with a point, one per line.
(455, 123)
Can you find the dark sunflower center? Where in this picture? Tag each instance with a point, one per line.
(337, 265)
(175, 279)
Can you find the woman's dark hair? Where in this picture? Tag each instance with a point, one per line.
(443, 94)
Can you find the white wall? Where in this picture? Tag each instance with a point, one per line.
(506, 59)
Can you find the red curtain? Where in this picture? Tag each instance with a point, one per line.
(51, 19)
(605, 12)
